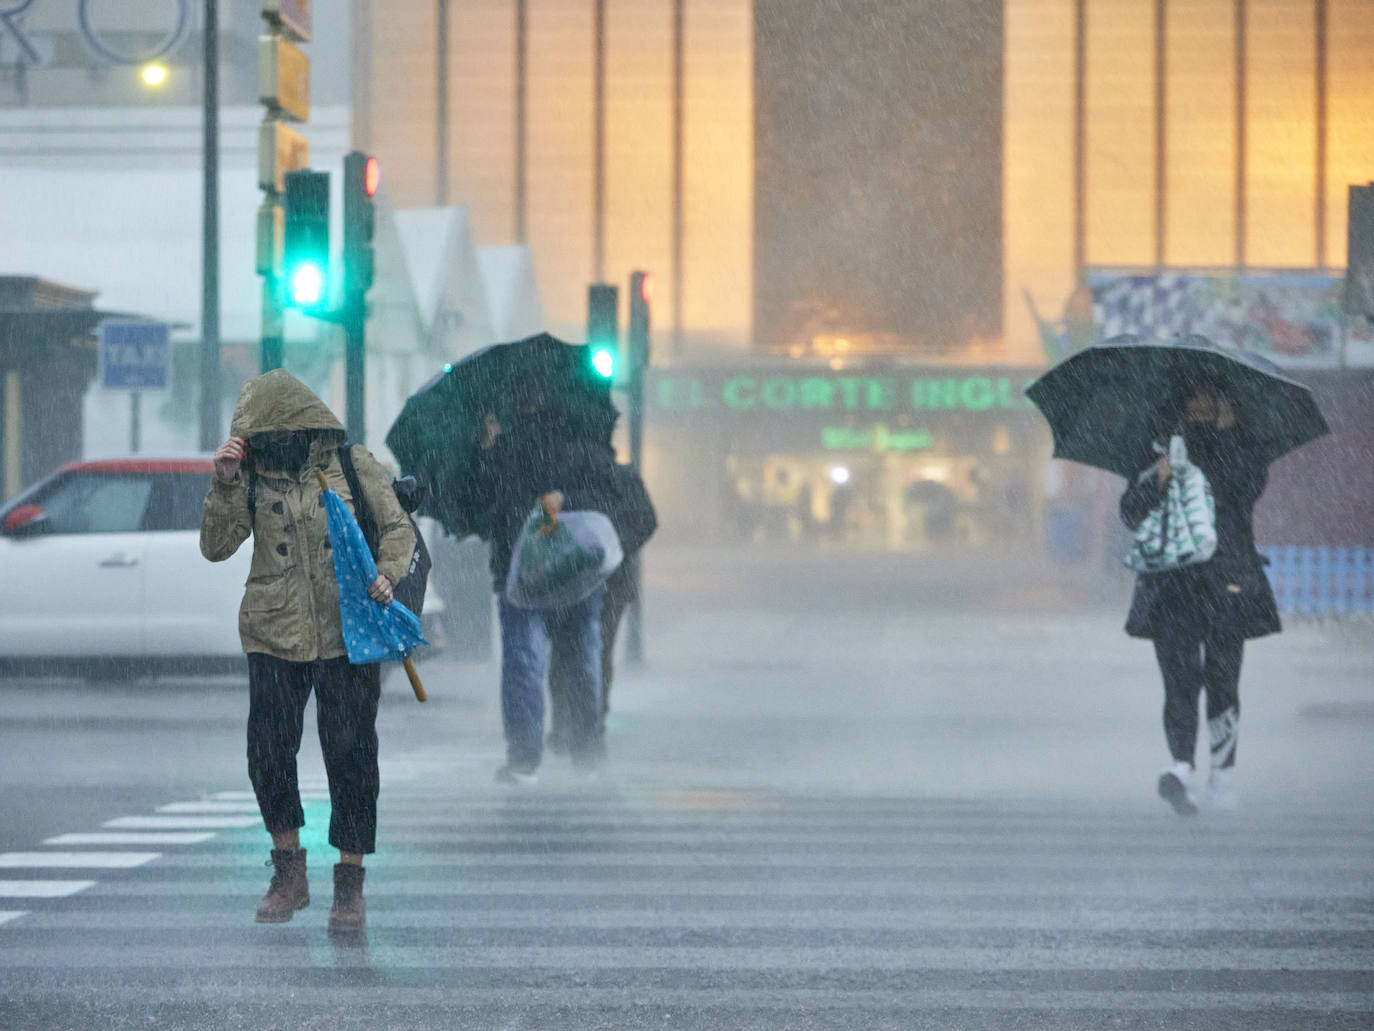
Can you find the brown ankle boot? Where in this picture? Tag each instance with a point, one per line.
(350, 911)
(289, 891)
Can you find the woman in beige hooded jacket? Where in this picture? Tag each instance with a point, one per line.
(289, 623)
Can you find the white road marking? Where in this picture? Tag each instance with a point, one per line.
(41, 889)
(307, 795)
(6, 915)
(209, 807)
(85, 860)
(133, 838)
(181, 823)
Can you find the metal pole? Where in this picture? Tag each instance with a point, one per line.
(273, 327)
(136, 422)
(441, 112)
(634, 627)
(209, 284)
(355, 330)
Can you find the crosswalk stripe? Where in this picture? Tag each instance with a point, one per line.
(209, 807)
(725, 1007)
(6, 915)
(248, 796)
(42, 889)
(74, 860)
(440, 955)
(402, 913)
(181, 822)
(131, 838)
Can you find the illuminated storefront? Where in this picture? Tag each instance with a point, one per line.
(887, 457)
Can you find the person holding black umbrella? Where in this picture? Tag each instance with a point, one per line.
(1199, 616)
(541, 458)
(1116, 406)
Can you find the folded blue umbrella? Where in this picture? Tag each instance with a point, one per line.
(372, 632)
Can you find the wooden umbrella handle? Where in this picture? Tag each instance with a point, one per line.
(414, 677)
(319, 475)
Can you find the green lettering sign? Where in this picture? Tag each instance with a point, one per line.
(845, 393)
(741, 392)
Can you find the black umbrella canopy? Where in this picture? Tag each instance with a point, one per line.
(435, 435)
(1107, 403)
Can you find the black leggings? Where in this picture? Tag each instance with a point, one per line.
(346, 698)
(1193, 658)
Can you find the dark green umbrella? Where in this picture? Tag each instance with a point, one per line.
(435, 436)
(1108, 402)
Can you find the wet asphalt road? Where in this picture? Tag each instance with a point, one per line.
(903, 808)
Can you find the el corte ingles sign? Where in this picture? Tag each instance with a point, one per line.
(766, 391)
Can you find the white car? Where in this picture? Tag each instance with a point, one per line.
(107, 575)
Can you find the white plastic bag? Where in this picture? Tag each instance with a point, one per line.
(559, 564)
(1182, 529)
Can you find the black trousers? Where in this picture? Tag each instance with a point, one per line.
(346, 698)
(1194, 655)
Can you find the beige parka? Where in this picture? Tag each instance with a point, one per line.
(290, 606)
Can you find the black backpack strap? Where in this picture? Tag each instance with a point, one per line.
(362, 511)
(252, 499)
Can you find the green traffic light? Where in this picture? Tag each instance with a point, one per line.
(603, 361)
(306, 284)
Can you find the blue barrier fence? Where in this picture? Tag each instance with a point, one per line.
(1322, 582)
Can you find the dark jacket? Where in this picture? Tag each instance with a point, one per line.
(1231, 590)
(540, 454)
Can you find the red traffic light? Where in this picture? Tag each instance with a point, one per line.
(646, 288)
(372, 177)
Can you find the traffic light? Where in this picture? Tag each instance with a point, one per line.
(603, 328)
(641, 293)
(306, 239)
(362, 176)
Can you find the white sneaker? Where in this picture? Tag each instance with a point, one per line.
(1176, 788)
(1221, 790)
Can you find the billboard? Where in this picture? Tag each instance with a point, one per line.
(1293, 318)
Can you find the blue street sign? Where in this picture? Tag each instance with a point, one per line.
(134, 355)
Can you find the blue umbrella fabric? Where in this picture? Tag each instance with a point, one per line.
(372, 632)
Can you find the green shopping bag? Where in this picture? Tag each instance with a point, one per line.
(1182, 529)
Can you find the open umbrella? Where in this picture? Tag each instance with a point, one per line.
(1107, 403)
(435, 435)
(372, 632)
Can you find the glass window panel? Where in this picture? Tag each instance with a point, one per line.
(1281, 169)
(97, 503)
(1120, 132)
(1200, 223)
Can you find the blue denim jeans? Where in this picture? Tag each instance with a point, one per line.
(528, 638)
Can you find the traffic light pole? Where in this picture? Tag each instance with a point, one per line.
(355, 351)
(634, 626)
(273, 326)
